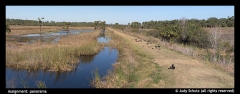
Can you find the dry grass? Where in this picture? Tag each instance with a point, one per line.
(52, 57)
(132, 68)
(189, 72)
(202, 54)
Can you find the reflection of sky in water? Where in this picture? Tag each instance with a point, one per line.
(103, 39)
(58, 33)
(78, 78)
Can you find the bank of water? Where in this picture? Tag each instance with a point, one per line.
(48, 37)
(80, 77)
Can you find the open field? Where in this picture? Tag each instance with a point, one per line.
(189, 72)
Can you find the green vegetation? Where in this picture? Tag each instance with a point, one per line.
(8, 28)
(40, 23)
(24, 83)
(41, 84)
(100, 25)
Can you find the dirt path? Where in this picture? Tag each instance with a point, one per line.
(189, 72)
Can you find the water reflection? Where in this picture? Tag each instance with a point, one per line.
(80, 77)
(102, 38)
(50, 37)
(86, 59)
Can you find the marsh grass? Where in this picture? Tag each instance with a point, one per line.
(131, 69)
(10, 83)
(52, 57)
(41, 84)
(24, 83)
(20, 30)
(96, 78)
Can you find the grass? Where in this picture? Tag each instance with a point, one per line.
(190, 72)
(156, 75)
(24, 83)
(12, 84)
(19, 30)
(226, 63)
(52, 57)
(41, 84)
(134, 68)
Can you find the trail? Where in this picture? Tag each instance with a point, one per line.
(189, 72)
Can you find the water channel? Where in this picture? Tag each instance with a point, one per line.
(77, 78)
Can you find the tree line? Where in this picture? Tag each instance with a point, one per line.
(189, 32)
(209, 23)
(46, 23)
(184, 31)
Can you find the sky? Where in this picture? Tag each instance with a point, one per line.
(117, 14)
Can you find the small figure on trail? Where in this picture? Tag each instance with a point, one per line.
(172, 67)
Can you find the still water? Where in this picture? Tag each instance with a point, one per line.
(80, 77)
(52, 37)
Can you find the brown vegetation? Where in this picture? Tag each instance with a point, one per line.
(19, 30)
(52, 57)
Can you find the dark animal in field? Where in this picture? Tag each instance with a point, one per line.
(172, 67)
(158, 47)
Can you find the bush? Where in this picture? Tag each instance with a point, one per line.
(7, 28)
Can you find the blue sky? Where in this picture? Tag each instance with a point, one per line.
(117, 14)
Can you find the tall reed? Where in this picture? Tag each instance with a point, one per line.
(52, 57)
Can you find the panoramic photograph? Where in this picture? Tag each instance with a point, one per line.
(119, 47)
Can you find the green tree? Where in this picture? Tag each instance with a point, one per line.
(96, 23)
(212, 21)
(103, 25)
(43, 20)
(67, 24)
(116, 26)
(8, 28)
(40, 23)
